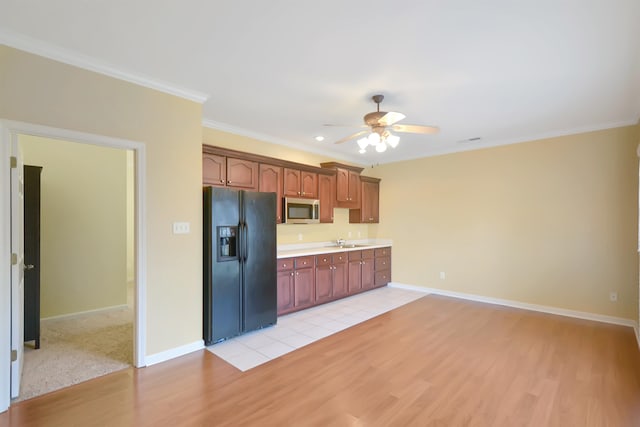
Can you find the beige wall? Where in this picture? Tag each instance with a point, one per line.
(41, 91)
(290, 233)
(551, 222)
(83, 225)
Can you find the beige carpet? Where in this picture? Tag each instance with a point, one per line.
(76, 349)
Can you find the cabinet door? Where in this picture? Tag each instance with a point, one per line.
(354, 280)
(242, 174)
(270, 181)
(285, 291)
(342, 185)
(370, 202)
(340, 280)
(309, 188)
(304, 287)
(368, 273)
(214, 170)
(292, 183)
(326, 191)
(324, 286)
(354, 187)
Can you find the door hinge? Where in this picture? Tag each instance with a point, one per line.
(13, 162)
(14, 259)
(14, 355)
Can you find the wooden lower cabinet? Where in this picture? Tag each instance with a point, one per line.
(312, 280)
(382, 266)
(295, 283)
(361, 270)
(331, 276)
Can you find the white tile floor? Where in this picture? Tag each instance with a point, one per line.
(304, 327)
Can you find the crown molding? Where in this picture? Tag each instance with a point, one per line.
(459, 148)
(211, 124)
(56, 53)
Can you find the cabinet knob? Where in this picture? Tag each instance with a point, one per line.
(222, 181)
(292, 273)
(228, 182)
(298, 193)
(297, 274)
(284, 265)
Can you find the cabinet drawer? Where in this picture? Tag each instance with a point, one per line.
(368, 253)
(382, 277)
(285, 264)
(324, 259)
(383, 263)
(304, 261)
(340, 258)
(354, 255)
(383, 252)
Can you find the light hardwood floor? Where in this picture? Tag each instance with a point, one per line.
(434, 362)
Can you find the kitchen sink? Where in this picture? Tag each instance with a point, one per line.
(348, 246)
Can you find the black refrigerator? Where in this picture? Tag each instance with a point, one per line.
(240, 290)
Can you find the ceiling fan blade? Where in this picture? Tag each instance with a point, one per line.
(344, 126)
(390, 118)
(355, 135)
(416, 129)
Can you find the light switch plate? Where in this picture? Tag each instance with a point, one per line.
(180, 228)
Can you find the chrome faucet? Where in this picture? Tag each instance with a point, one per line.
(340, 241)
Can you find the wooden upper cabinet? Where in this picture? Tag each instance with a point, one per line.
(224, 171)
(347, 187)
(299, 183)
(326, 193)
(242, 174)
(214, 170)
(292, 182)
(270, 181)
(309, 187)
(347, 184)
(368, 210)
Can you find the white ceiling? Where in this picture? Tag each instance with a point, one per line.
(505, 71)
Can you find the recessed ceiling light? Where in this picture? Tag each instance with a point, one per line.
(319, 138)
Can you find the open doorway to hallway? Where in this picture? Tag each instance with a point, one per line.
(87, 263)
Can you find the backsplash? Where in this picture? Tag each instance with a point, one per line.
(289, 233)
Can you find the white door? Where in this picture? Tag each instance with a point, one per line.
(17, 269)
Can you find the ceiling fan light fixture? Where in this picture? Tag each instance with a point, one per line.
(392, 140)
(362, 151)
(362, 143)
(381, 147)
(374, 138)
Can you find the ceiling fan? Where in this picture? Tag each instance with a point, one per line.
(381, 123)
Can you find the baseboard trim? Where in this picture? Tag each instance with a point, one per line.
(526, 306)
(81, 313)
(172, 353)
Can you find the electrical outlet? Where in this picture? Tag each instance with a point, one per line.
(359, 234)
(349, 234)
(613, 296)
(181, 228)
(300, 237)
(443, 275)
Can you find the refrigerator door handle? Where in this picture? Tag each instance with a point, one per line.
(246, 245)
(241, 240)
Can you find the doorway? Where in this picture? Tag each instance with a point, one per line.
(11, 131)
(85, 318)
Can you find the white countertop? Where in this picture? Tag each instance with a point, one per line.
(315, 248)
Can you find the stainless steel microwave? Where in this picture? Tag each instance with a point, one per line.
(301, 211)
